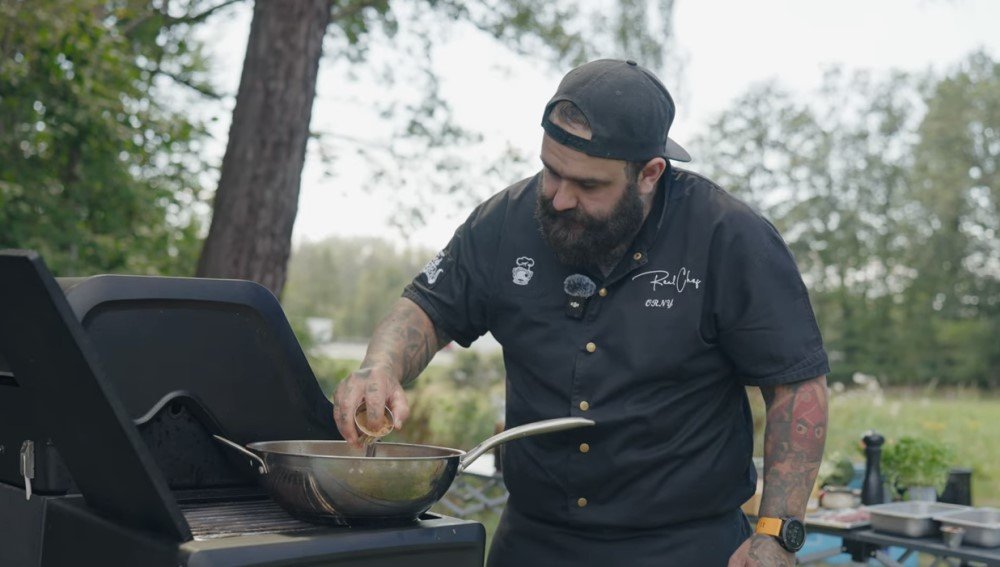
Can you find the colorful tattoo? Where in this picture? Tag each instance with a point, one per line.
(793, 445)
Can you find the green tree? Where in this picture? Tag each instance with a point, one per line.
(956, 186)
(886, 189)
(829, 174)
(96, 173)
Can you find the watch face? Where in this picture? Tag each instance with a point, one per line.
(793, 534)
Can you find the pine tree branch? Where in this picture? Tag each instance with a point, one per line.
(199, 17)
(203, 89)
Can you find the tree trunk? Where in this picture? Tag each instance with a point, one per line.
(257, 198)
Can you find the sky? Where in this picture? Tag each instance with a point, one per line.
(726, 46)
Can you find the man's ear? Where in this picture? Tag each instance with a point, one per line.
(650, 175)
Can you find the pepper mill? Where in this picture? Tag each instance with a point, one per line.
(872, 491)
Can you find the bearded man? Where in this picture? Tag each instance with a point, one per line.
(641, 296)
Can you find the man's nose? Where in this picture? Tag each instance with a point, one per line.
(563, 200)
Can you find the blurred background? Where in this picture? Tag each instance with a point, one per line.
(328, 148)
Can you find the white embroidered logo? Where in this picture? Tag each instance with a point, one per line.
(522, 272)
(679, 281)
(431, 270)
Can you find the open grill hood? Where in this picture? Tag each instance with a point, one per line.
(110, 390)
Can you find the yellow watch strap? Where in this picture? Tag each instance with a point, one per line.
(769, 526)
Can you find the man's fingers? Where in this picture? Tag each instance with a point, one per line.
(346, 401)
(400, 408)
(376, 391)
(375, 405)
(345, 423)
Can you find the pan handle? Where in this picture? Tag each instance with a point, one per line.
(262, 468)
(534, 428)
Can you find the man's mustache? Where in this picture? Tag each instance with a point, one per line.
(574, 216)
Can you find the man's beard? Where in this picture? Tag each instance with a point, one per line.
(579, 239)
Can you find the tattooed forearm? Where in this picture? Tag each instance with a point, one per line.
(793, 445)
(404, 342)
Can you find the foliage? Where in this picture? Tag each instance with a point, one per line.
(887, 191)
(353, 281)
(96, 173)
(452, 417)
(916, 461)
(461, 406)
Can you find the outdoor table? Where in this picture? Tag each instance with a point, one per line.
(864, 543)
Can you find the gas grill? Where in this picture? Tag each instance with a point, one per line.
(110, 390)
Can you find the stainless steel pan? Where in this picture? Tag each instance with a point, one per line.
(332, 482)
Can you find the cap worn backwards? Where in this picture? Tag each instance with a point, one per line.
(628, 108)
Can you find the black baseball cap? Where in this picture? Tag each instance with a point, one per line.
(629, 110)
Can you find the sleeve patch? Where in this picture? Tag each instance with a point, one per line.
(433, 270)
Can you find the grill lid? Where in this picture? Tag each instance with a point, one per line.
(56, 365)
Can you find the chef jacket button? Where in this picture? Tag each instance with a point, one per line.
(637, 256)
(581, 502)
(603, 292)
(584, 448)
(591, 347)
(584, 406)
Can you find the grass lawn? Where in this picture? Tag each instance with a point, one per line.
(968, 424)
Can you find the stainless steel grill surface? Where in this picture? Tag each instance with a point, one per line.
(228, 519)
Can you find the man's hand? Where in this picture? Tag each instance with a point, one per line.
(401, 346)
(761, 551)
(377, 388)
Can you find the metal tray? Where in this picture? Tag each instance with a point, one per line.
(843, 519)
(981, 525)
(913, 519)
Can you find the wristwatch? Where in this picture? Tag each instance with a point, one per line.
(790, 532)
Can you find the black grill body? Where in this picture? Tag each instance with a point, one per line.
(118, 382)
(61, 531)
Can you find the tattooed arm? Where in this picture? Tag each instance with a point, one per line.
(793, 448)
(402, 345)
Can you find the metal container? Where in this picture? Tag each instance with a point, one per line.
(913, 519)
(331, 482)
(981, 525)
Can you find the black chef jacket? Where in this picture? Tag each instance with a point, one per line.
(707, 299)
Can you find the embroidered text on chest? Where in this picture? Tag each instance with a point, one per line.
(663, 280)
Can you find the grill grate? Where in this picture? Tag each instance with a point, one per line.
(228, 519)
